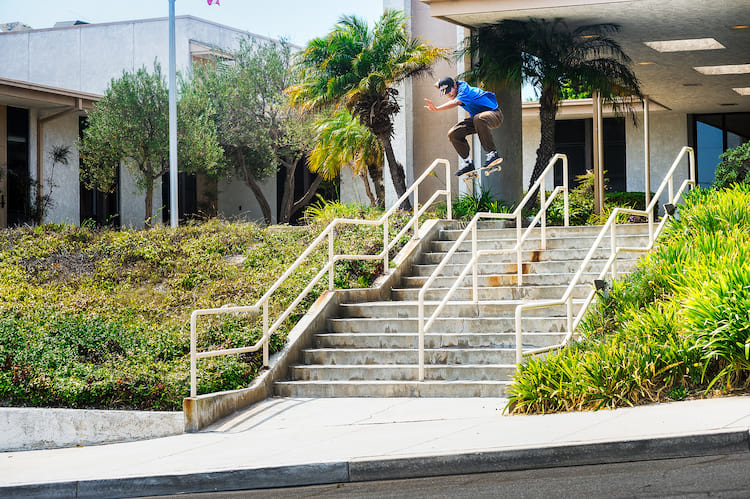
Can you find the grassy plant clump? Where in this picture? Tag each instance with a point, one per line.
(100, 318)
(678, 325)
(467, 205)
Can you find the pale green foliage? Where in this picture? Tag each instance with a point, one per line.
(259, 132)
(131, 124)
(340, 142)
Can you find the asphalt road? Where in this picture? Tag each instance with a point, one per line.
(714, 476)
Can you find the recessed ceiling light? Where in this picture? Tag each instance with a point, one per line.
(730, 69)
(742, 91)
(685, 45)
(725, 104)
(646, 63)
(692, 84)
(740, 26)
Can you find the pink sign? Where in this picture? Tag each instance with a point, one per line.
(210, 2)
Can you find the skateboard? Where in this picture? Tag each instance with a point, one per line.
(492, 167)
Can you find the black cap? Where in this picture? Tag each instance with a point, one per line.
(446, 84)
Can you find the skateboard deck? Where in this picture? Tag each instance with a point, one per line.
(492, 167)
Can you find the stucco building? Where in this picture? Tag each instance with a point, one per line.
(49, 78)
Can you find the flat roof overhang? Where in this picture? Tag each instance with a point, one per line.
(670, 78)
(32, 95)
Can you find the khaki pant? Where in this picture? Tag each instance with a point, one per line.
(481, 124)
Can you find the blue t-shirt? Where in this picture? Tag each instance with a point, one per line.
(475, 100)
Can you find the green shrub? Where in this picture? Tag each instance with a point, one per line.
(100, 318)
(734, 167)
(323, 211)
(467, 205)
(677, 325)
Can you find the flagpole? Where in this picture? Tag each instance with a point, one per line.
(173, 207)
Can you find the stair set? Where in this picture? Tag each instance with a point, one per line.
(370, 349)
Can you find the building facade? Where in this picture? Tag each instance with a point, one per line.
(49, 78)
(698, 85)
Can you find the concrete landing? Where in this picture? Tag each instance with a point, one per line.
(290, 441)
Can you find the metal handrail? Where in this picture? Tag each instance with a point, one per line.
(567, 298)
(330, 233)
(476, 253)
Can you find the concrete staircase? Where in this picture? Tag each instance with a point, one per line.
(370, 350)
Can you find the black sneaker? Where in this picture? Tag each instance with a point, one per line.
(468, 166)
(492, 159)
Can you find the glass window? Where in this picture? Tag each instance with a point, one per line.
(714, 134)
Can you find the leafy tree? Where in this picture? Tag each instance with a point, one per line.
(358, 67)
(257, 128)
(734, 167)
(131, 125)
(340, 142)
(551, 57)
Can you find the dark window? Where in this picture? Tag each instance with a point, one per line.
(574, 138)
(19, 181)
(187, 197)
(102, 208)
(713, 134)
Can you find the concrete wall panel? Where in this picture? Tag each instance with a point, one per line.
(106, 52)
(14, 56)
(62, 180)
(54, 58)
(237, 201)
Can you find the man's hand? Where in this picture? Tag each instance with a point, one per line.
(430, 106)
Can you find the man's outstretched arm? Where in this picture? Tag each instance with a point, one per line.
(442, 107)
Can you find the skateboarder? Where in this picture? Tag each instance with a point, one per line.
(484, 114)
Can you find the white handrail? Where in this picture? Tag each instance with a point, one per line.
(476, 254)
(567, 298)
(330, 233)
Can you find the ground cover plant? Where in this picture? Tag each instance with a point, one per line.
(677, 326)
(100, 318)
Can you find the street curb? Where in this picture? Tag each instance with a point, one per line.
(720, 442)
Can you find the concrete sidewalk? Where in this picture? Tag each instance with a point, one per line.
(284, 442)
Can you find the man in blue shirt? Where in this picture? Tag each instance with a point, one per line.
(484, 114)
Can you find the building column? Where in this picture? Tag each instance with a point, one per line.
(508, 184)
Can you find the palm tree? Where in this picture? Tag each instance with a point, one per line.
(551, 57)
(358, 67)
(342, 141)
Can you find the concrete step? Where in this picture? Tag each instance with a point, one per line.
(509, 280)
(448, 325)
(391, 388)
(463, 257)
(555, 231)
(408, 309)
(435, 340)
(548, 267)
(403, 373)
(577, 242)
(494, 293)
(400, 356)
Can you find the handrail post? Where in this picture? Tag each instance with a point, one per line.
(519, 266)
(570, 314)
(416, 211)
(543, 196)
(331, 262)
(448, 187)
(565, 192)
(670, 187)
(385, 246)
(519, 337)
(193, 359)
(691, 161)
(475, 265)
(420, 340)
(266, 336)
(614, 246)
